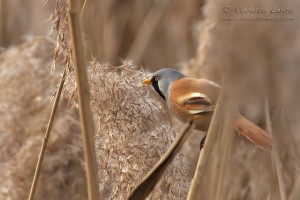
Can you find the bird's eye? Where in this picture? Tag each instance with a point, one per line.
(156, 78)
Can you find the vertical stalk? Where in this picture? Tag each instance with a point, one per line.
(194, 192)
(46, 138)
(226, 146)
(79, 59)
(275, 155)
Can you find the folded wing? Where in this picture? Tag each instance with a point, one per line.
(196, 103)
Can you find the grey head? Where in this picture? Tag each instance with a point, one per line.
(162, 79)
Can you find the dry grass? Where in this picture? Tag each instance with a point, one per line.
(26, 87)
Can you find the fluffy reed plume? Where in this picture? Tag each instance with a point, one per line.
(132, 134)
(258, 61)
(26, 85)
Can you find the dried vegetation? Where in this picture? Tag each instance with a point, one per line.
(26, 87)
(132, 132)
(258, 60)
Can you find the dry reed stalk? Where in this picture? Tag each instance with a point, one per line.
(46, 138)
(275, 155)
(155, 174)
(226, 143)
(194, 192)
(86, 118)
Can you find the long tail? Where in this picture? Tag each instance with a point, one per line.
(253, 133)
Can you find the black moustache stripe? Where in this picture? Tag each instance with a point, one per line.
(155, 85)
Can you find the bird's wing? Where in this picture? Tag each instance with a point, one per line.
(196, 103)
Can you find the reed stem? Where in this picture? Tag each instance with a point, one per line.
(275, 155)
(46, 138)
(194, 192)
(79, 59)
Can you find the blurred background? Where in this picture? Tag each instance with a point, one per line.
(152, 33)
(20, 19)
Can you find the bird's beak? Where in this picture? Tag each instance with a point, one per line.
(147, 82)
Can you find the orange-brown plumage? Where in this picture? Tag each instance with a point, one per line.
(184, 87)
(253, 132)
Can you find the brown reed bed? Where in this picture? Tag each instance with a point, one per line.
(257, 60)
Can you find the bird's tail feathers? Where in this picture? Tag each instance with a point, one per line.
(254, 133)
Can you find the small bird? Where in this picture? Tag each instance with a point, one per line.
(195, 99)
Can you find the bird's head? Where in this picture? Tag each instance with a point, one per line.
(162, 79)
